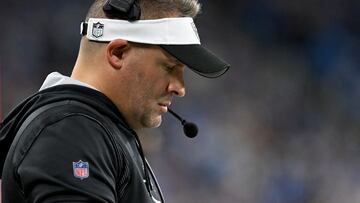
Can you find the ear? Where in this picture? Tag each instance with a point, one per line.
(115, 52)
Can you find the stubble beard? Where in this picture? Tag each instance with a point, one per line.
(151, 119)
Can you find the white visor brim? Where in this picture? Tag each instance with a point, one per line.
(164, 31)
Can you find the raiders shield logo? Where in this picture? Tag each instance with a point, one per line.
(98, 30)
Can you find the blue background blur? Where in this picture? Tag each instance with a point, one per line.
(281, 126)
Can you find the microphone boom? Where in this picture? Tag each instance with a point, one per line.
(190, 129)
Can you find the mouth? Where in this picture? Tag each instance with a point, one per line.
(164, 106)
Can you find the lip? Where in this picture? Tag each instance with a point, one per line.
(164, 106)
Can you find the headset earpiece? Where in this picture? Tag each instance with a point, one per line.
(122, 9)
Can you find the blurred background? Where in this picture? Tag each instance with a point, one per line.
(281, 126)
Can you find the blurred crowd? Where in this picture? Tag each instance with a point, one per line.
(281, 126)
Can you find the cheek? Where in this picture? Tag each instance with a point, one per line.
(139, 77)
(141, 88)
(148, 82)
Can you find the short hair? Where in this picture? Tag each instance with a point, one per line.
(153, 9)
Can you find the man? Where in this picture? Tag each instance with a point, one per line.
(75, 140)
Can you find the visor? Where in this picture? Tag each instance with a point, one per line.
(178, 36)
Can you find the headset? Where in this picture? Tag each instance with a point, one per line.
(123, 9)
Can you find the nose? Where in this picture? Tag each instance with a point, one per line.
(177, 86)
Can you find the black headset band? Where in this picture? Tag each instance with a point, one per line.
(123, 9)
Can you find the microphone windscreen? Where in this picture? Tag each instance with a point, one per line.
(190, 130)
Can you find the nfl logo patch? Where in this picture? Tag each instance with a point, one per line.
(97, 30)
(81, 169)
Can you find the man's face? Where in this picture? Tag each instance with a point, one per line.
(153, 78)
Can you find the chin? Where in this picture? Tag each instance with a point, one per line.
(157, 124)
(153, 122)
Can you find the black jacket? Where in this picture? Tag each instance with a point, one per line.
(77, 149)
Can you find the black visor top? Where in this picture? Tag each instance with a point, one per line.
(198, 59)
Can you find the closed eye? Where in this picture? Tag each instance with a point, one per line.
(169, 68)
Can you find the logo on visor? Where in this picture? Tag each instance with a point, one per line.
(98, 29)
